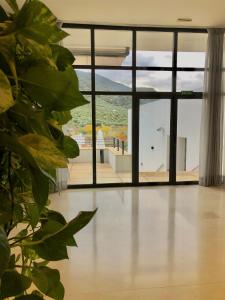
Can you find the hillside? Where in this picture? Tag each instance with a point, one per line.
(110, 110)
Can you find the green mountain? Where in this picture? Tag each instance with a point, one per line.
(110, 110)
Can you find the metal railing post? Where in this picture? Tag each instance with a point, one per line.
(118, 144)
(122, 147)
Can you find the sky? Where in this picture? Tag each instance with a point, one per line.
(161, 80)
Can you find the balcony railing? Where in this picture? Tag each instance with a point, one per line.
(103, 143)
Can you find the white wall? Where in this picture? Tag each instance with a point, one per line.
(154, 129)
(189, 122)
(154, 132)
(119, 163)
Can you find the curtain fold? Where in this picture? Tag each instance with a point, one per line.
(212, 124)
(62, 174)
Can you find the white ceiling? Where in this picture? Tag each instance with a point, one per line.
(204, 13)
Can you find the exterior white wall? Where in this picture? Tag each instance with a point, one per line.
(119, 163)
(155, 130)
(189, 122)
(86, 156)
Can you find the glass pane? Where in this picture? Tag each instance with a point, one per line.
(113, 47)
(79, 43)
(191, 50)
(154, 49)
(154, 81)
(154, 139)
(188, 139)
(80, 129)
(113, 80)
(190, 81)
(113, 139)
(84, 77)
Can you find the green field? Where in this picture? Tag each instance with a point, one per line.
(110, 110)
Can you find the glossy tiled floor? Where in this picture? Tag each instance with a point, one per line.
(158, 243)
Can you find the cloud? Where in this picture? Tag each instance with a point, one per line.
(160, 80)
(190, 81)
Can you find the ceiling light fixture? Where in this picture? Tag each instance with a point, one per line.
(184, 19)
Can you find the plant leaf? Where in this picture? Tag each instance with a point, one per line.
(52, 247)
(47, 280)
(4, 250)
(29, 297)
(59, 93)
(6, 97)
(70, 147)
(13, 5)
(8, 50)
(15, 146)
(5, 217)
(32, 210)
(65, 143)
(5, 208)
(40, 194)
(35, 21)
(62, 57)
(57, 217)
(13, 283)
(3, 15)
(62, 117)
(44, 151)
(12, 261)
(55, 222)
(29, 119)
(35, 53)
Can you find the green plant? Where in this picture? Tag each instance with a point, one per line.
(38, 88)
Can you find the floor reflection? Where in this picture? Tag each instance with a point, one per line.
(161, 243)
(171, 231)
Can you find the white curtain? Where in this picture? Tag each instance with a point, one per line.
(212, 125)
(62, 174)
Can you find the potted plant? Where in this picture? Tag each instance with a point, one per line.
(38, 88)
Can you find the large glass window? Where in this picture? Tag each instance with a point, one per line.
(114, 81)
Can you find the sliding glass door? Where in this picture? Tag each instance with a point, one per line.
(188, 139)
(114, 139)
(154, 140)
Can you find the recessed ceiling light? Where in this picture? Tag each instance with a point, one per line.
(184, 19)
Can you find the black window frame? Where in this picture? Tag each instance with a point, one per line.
(174, 96)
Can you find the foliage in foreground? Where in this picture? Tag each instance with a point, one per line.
(38, 88)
